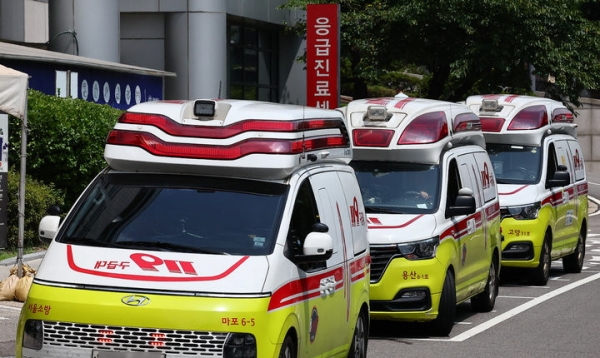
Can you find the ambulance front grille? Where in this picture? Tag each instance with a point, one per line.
(380, 257)
(114, 338)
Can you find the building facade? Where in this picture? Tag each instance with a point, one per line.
(217, 48)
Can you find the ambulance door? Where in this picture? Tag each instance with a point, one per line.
(472, 243)
(335, 284)
(316, 310)
(565, 203)
(580, 192)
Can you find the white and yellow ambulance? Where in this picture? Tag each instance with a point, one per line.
(220, 228)
(432, 208)
(542, 183)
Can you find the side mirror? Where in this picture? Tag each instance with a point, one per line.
(560, 178)
(53, 210)
(48, 228)
(464, 204)
(318, 247)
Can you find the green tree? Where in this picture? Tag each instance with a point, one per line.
(65, 141)
(479, 46)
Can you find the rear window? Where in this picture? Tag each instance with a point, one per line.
(178, 213)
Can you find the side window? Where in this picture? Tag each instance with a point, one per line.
(551, 165)
(577, 156)
(304, 215)
(486, 176)
(454, 184)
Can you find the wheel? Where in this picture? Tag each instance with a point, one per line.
(574, 262)
(485, 301)
(288, 348)
(358, 348)
(539, 275)
(442, 325)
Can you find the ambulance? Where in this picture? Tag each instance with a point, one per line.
(432, 208)
(542, 183)
(220, 228)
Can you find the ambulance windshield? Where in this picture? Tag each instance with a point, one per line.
(178, 213)
(398, 188)
(515, 164)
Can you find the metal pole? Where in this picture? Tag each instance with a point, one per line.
(22, 192)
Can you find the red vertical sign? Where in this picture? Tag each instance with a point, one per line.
(322, 55)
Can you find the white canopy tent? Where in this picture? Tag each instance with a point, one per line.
(13, 100)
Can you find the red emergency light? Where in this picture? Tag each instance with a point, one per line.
(372, 137)
(173, 128)
(467, 122)
(158, 147)
(533, 117)
(492, 124)
(562, 115)
(426, 128)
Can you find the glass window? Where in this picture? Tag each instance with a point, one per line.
(515, 164)
(398, 188)
(178, 213)
(253, 61)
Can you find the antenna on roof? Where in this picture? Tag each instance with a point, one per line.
(220, 82)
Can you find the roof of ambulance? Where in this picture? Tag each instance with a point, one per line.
(239, 110)
(513, 100)
(409, 104)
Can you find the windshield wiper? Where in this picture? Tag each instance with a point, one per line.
(167, 246)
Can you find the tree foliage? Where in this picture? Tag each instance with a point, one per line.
(466, 47)
(65, 141)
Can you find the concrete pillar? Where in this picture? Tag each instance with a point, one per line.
(196, 49)
(88, 28)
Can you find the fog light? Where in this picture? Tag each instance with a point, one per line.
(240, 345)
(414, 295)
(33, 334)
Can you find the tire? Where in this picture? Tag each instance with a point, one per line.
(539, 276)
(442, 325)
(485, 301)
(288, 348)
(574, 262)
(358, 347)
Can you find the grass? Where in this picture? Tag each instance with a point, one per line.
(10, 252)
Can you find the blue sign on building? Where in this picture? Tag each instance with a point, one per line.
(117, 88)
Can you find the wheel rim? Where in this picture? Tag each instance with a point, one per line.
(359, 338)
(580, 251)
(492, 281)
(546, 261)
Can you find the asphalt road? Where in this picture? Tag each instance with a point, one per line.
(556, 320)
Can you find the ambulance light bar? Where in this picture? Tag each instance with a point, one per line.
(158, 147)
(562, 115)
(378, 114)
(372, 137)
(180, 130)
(492, 124)
(533, 117)
(204, 108)
(426, 128)
(467, 122)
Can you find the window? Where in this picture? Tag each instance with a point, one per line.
(253, 60)
(178, 213)
(454, 185)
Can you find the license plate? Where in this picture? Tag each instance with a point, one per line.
(112, 354)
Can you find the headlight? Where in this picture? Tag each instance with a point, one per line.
(524, 212)
(420, 250)
(33, 334)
